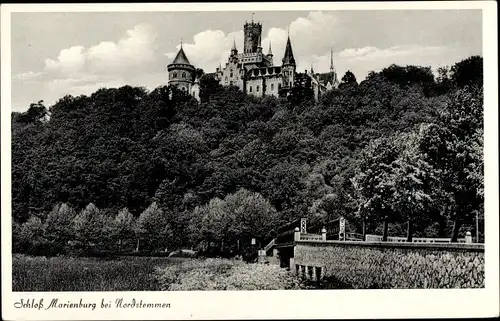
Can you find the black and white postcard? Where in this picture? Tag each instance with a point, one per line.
(249, 160)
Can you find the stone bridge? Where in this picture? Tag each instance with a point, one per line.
(347, 259)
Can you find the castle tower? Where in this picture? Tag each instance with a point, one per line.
(270, 54)
(259, 45)
(333, 73)
(252, 32)
(288, 66)
(180, 72)
(234, 50)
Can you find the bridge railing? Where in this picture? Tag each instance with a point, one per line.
(398, 239)
(269, 245)
(286, 233)
(310, 237)
(285, 236)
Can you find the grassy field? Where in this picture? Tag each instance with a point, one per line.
(146, 274)
(87, 274)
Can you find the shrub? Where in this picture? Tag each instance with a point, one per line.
(223, 274)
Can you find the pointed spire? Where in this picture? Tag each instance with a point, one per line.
(288, 59)
(259, 43)
(181, 57)
(270, 53)
(234, 43)
(331, 59)
(312, 70)
(332, 69)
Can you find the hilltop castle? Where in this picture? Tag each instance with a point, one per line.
(252, 71)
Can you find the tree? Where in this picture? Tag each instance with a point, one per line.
(32, 235)
(372, 183)
(468, 72)
(59, 226)
(408, 75)
(37, 112)
(411, 179)
(234, 220)
(153, 228)
(122, 227)
(348, 79)
(452, 147)
(254, 215)
(91, 226)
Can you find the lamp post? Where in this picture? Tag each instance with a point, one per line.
(477, 227)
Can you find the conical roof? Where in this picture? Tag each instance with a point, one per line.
(270, 53)
(288, 59)
(181, 58)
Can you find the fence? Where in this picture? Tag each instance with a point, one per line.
(398, 239)
(310, 237)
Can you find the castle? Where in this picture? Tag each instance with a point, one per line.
(252, 71)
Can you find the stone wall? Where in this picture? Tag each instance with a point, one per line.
(394, 265)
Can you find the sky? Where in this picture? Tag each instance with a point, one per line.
(55, 54)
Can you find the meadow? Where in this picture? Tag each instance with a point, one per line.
(125, 273)
(145, 274)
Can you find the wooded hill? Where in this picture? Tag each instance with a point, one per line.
(158, 166)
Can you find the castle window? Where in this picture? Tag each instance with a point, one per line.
(194, 93)
(286, 73)
(250, 88)
(272, 86)
(231, 73)
(279, 86)
(174, 75)
(183, 75)
(257, 89)
(231, 83)
(225, 78)
(290, 84)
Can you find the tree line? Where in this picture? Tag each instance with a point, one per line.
(399, 153)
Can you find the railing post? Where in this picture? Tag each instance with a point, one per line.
(296, 236)
(323, 234)
(468, 237)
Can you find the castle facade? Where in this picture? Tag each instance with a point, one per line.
(252, 71)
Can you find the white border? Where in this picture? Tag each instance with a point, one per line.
(275, 304)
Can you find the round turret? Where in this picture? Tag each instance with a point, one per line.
(181, 72)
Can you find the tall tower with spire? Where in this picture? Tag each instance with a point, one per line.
(234, 50)
(333, 74)
(288, 65)
(270, 54)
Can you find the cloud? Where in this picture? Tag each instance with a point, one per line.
(312, 38)
(135, 58)
(210, 47)
(78, 70)
(135, 49)
(30, 75)
(369, 58)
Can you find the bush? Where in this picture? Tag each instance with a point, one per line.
(223, 274)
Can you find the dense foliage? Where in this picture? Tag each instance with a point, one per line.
(129, 169)
(223, 274)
